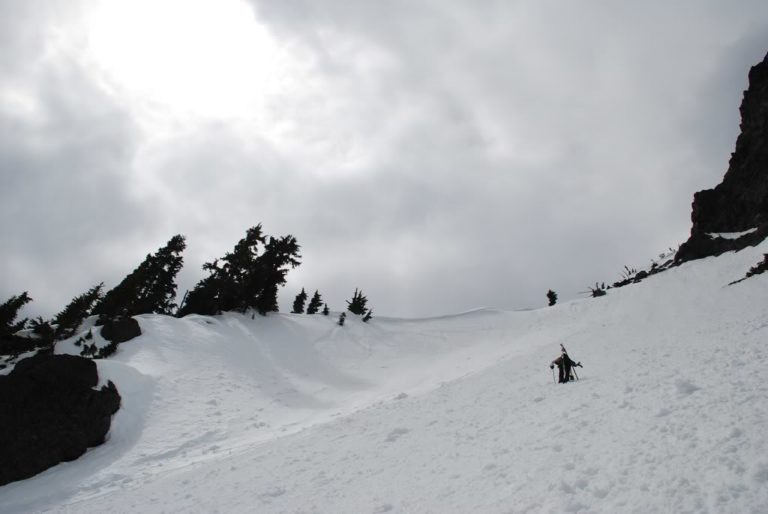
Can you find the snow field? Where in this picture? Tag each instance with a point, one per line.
(459, 414)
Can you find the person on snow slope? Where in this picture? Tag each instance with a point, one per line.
(564, 365)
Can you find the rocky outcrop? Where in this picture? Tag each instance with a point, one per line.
(701, 245)
(740, 202)
(50, 413)
(120, 330)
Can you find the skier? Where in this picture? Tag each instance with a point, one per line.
(564, 365)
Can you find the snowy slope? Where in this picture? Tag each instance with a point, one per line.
(292, 413)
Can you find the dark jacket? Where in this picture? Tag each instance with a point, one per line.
(564, 364)
(563, 360)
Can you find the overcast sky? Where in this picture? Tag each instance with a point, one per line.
(441, 155)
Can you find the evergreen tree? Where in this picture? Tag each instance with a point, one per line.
(105, 351)
(298, 303)
(326, 311)
(358, 303)
(280, 255)
(204, 297)
(9, 311)
(42, 329)
(69, 319)
(242, 276)
(160, 293)
(151, 287)
(552, 296)
(368, 315)
(245, 278)
(267, 300)
(315, 303)
(342, 318)
(225, 286)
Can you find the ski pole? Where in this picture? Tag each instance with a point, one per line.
(577, 365)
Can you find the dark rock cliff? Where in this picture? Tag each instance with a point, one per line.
(50, 413)
(740, 202)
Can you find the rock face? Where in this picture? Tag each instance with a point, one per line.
(50, 413)
(120, 330)
(740, 201)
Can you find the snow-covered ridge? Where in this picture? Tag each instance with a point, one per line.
(293, 413)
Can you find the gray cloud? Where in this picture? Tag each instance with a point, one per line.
(440, 155)
(562, 133)
(66, 210)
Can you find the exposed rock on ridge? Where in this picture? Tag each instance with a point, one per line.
(120, 330)
(740, 202)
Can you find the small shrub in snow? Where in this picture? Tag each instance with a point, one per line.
(552, 297)
(628, 273)
(597, 291)
(757, 269)
(89, 350)
(342, 318)
(106, 351)
(83, 339)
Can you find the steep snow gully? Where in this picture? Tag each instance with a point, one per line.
(292, 413)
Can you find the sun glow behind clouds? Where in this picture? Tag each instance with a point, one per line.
(201, 58)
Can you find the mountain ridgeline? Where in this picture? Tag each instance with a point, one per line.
(247, 278)
(250, 276)
(52, 413)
